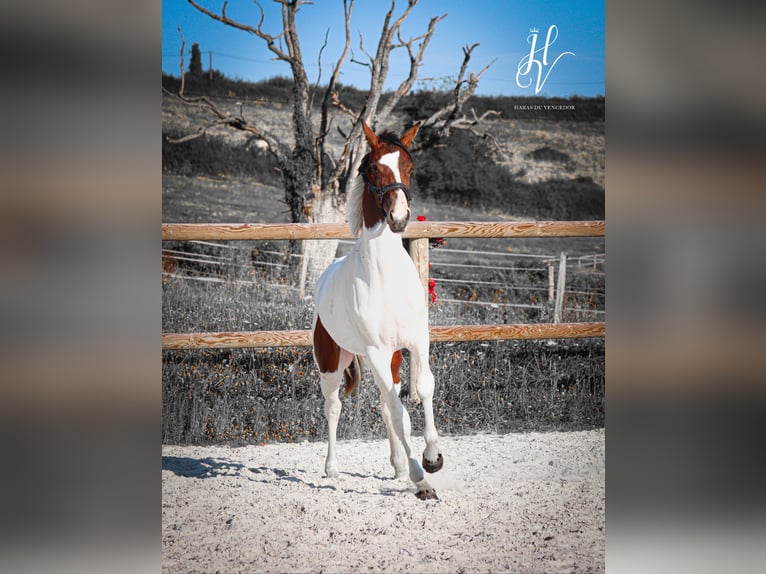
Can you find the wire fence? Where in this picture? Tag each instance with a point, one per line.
(239, 260)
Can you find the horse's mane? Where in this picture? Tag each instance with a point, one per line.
(356, 188)
(355, 200)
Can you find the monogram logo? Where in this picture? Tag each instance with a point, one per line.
(530, 63)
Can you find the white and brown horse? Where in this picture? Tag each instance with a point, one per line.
(371, 304)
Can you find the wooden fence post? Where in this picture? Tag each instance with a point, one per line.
(560, 288)
(551, 283)
(419, 254)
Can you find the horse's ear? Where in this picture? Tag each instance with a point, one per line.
(372, 139)
(409, 135)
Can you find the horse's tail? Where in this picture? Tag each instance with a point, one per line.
(352, 376)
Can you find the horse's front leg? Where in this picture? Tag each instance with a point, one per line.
(400, 419)
(424, 381)
(398, 457)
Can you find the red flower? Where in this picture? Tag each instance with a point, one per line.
(434, 241)
(432, 289)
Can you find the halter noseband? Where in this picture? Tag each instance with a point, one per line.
(381, 191)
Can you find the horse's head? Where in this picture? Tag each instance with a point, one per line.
(386, 171)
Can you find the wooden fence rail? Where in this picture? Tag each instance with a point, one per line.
(419, 232)
(245, 339)
(415, 229)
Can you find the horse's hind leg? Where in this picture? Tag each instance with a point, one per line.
(330, 384)
(424, 381)
(332, 361)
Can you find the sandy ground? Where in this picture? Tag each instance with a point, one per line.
(520, 503)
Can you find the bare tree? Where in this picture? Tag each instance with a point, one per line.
(313, 175)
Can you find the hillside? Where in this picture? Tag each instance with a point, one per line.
(546, 164)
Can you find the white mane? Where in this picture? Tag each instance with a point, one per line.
(355, 200)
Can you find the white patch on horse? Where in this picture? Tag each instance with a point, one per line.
(391, 161)
(399, 211)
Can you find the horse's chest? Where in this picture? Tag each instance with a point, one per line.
(373, 298)
(390, 282)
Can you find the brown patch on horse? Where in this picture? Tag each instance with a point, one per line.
(372, 211)
(396, 364)
(326, 350)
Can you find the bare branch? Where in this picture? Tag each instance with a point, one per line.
(319, 66)
(225, 119)
(355, 61)
(348, 8)
(271, 41)
(379, 68)
(337, 103)
(416, 60)
(451, 114)
(203, 99)
(199, 133)
(371, 63)
(331, 99)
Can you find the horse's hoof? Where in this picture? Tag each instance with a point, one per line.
(427, 494)
(432, 467)
(331, 473)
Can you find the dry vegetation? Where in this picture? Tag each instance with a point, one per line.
(550, 168)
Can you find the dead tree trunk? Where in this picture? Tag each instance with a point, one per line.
(313, 175)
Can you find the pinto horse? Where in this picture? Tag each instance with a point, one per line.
(371, 304)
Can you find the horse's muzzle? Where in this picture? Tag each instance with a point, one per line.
(398, 225)
(396, 206)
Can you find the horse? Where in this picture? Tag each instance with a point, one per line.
(371, 304)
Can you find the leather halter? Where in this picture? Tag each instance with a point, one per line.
(381, 191)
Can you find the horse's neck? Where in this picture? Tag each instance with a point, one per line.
(380, 241)
(376, 241)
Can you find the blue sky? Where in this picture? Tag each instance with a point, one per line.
(502, 28)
